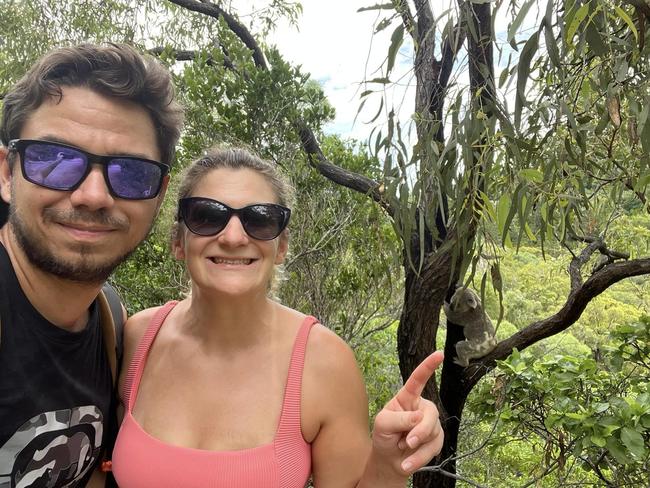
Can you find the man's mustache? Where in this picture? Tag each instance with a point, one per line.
(81, 216)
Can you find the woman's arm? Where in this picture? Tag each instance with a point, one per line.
(342, 454)
(334, 411)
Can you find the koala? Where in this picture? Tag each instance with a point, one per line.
(465, 309)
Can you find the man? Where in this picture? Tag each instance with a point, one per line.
(88, 135)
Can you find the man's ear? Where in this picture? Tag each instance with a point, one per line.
(283, 247)
(5, 175)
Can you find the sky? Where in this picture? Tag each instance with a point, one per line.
(335, 43)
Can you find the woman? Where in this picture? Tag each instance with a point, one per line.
(228, 388)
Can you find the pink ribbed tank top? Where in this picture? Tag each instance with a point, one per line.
(142, 461)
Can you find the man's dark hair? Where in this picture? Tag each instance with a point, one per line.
(113, 70)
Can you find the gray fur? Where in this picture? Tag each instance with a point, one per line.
(466, 310)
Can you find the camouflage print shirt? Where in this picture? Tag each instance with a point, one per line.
(55, 394)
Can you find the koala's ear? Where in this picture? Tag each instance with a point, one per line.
(472, 300)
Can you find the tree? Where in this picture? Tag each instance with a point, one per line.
(480, 174)
(536, 170)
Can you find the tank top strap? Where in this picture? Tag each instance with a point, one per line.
(136, 367)
(290, 417)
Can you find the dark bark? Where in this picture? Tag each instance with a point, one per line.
(190, 55)
(234, 25)
(339, 175)
(455, 386)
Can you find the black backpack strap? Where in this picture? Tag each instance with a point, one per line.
(111, 316)
(117, 315)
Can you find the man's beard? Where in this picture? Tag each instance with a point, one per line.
(83, 271)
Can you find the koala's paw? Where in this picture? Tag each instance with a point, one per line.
(460, 362)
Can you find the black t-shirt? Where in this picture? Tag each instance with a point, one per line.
(55, 393)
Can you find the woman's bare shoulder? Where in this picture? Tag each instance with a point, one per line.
(333, 389)
(136, 325)
(326, 345)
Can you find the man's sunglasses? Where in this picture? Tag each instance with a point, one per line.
(207, 217)
(61, 167)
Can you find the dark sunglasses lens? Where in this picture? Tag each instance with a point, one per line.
(53, 166)
(204, 217)
(134, 179)
(263, 222)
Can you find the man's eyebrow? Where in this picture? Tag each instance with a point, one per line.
(61, 140)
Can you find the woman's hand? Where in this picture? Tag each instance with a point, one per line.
(407, 432)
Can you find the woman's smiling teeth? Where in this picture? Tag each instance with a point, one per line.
(231, 261)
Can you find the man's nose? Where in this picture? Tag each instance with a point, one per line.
(93, 193)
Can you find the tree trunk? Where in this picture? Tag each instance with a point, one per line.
(416, 338)
(425, 293)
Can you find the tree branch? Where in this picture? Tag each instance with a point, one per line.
(339, 175)
(310, 145)
(450, 49)
(402, 8)
(212, 10)
(575, 267)
(576, 303)
(425, 18)
(190, 55)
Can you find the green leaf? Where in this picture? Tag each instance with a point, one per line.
(642, 182)
(549, 36)
(383, 80)
(503, 77)
(531, 174)
(601, 407)
(395, 43)
(379, 6)
(381, 107)
(580, 15)
(488, 207)
(617, 450)
(503, 208)
(633, 440)
(630, 23)
(598, 441)
(514, 27)
(645, 138)
(523, 70)
(529, 232)
(594, 40)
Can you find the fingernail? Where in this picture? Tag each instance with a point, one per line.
(407, 465)
(412, 441)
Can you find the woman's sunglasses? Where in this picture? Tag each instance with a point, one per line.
(61, 167)
(207, 217)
